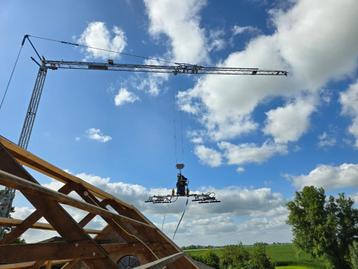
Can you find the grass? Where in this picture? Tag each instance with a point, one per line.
(294, 267)
(284, 255)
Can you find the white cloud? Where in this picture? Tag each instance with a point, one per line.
(36, 235)
(216, 40)
(208, 156)
(22, 212)
(154, 83)
(288, 123)
(251, 153)
(331, 51)
(349, 101)
(197, 226)
(237, 29)
(247, 215)
(267, 229)
(240, 169)
(329, 177)
(236, 201)
(97, 135)
(196, 137)
(225, 104)
(355, 198)
(325, 140)
(179, 21)
(124, 96)
(97, 35)
(261, 207)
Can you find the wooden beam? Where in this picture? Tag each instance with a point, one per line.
(185, 262)
(60, 251)
(29, 221)
(17, 265)
(56, 215)
(27, 264)
(115, 224)
(161, 262)
(32, 161)
(37, 225)
(19, 183)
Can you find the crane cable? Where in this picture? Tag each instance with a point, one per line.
(181, 218)
(11, 74)
(100, 49)
(163, 223)
(182, 158)
(178, 124)
(176, 153)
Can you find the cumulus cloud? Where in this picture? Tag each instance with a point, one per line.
(349, 101)
(246, 215)
(288, 123)
(98, 135)
(330, 52)
(237, 29)
(236, 200)
(208, 156)
(179, 21)
(325, 140)
(154, 82)
(250, 152)
(216, 40)
(97, 35)
(329, 177)
(224, 105)
(36, 235)
(355, 197)
(124, 96)
(240, 169)
(261, 206)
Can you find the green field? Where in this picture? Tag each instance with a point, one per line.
(295, 267)
(284, 255)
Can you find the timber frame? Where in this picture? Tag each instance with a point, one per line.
(128, 231)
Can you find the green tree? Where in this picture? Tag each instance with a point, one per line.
(259, 259)
(234, 257)
(353, 255)
(212, 259)
(323, 227)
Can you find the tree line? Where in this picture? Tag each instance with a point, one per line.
(237, 256)
(324, 227)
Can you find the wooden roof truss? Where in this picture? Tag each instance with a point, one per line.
(128, 231)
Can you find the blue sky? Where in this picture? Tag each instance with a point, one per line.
(252, 140)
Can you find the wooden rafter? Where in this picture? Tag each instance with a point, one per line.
(22, 184)
(37, 225)
(128, 232)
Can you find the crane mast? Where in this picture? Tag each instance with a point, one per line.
(7, 195)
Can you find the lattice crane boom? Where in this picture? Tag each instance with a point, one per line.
(179, 68)
(7, 196)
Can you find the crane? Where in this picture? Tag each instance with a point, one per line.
(7, 195)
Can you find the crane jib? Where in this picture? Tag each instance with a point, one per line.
(174, 69)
